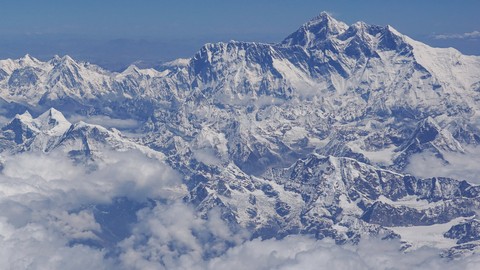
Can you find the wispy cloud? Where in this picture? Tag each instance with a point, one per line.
(468, 35)
(460, 166)
(105, 121)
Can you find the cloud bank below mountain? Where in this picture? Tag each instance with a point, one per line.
(46, 222)
(461, 166)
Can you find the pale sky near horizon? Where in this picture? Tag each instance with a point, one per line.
(149, 30)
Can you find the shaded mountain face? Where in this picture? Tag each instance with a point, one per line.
(311, 135)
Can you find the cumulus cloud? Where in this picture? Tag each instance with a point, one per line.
(81, 225)
(35, 246)
(468, 35)
(460, 166)
(130, 174)
(47, 202)
(175, 237)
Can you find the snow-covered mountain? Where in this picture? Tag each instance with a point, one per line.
(310, 135)
(51, 131)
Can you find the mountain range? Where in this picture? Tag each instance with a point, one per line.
(312, 135)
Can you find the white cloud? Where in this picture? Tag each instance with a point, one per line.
(47, 167)
(468, 35)
(4, 120)
(45, 204)
(207, 156)
(106, 121)
(81, 225)
(37, 247)
(301, 252)
(41, 216)
(128, 174)
(172, 236)
(460, 166)
(169, 248)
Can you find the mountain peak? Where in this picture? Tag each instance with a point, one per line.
(130, 70)
(360, 25)
(393, 30)
(68, 59)
(52, 119)
(62, 60)
(53, 113)
(316, 30)
(26, 116)
(323, 16)
(28, 60)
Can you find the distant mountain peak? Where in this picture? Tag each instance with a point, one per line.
(393, 30)
(360, 25)
(28, 60)
(53, 113)
(317, 29)
(62, 60)
(25, 115)
(53, 121)
(323, 16)
(39, 132)
(323, 30)
(131, 70)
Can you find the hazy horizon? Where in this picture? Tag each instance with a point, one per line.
(118, 33)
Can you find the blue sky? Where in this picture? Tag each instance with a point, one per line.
(88, 27)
